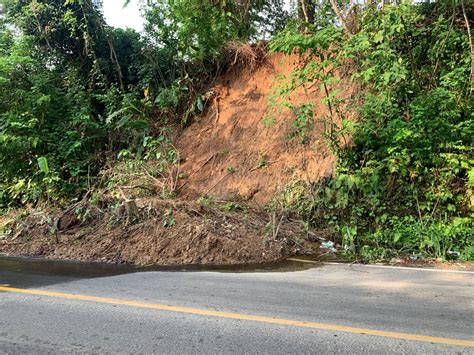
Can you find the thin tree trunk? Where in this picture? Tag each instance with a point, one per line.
(339, 16)
(471, 46)
(304, 10)
(114, 58)
(113, 54)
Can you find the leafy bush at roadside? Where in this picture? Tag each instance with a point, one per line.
(404, 181)
(63, 105)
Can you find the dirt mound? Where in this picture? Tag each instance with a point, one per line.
(165, 233)
(242, 147)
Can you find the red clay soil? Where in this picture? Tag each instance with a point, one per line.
(230, 153)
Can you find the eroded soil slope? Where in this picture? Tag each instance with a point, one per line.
(242, 147)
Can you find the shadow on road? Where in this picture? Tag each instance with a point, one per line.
(25, 273)
(29, 273)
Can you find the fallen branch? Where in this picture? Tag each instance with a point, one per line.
(213, 155)
(137, 187)
(217, 183)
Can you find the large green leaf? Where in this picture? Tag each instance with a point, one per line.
(43, 165)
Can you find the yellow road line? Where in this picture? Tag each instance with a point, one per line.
(305, 261)
(246, 317)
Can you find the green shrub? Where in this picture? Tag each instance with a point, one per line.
(404, 183)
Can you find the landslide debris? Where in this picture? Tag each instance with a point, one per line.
(239, 152)
(161, 233)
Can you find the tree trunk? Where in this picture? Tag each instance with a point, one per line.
(471, 46)
(302, 11)
(339, 16)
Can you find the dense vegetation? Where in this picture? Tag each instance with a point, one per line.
(76, 94)
(405, 171)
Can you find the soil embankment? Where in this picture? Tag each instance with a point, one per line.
(242, 147)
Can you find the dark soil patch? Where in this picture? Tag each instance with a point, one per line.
(164, 233)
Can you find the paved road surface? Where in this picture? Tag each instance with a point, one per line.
(331, 309)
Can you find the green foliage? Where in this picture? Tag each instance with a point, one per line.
(43, 165)
(192, 29)
(404, 183)
(61, 106)
(232, 207)
(303, 123)
(200, 29)
(269, 121)
(168, 219)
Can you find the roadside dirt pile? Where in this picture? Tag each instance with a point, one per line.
(164, 233)
(242, 147)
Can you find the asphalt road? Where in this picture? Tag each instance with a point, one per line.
(330, 309)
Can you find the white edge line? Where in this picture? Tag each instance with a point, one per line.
(382, 266)
(406, 268)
